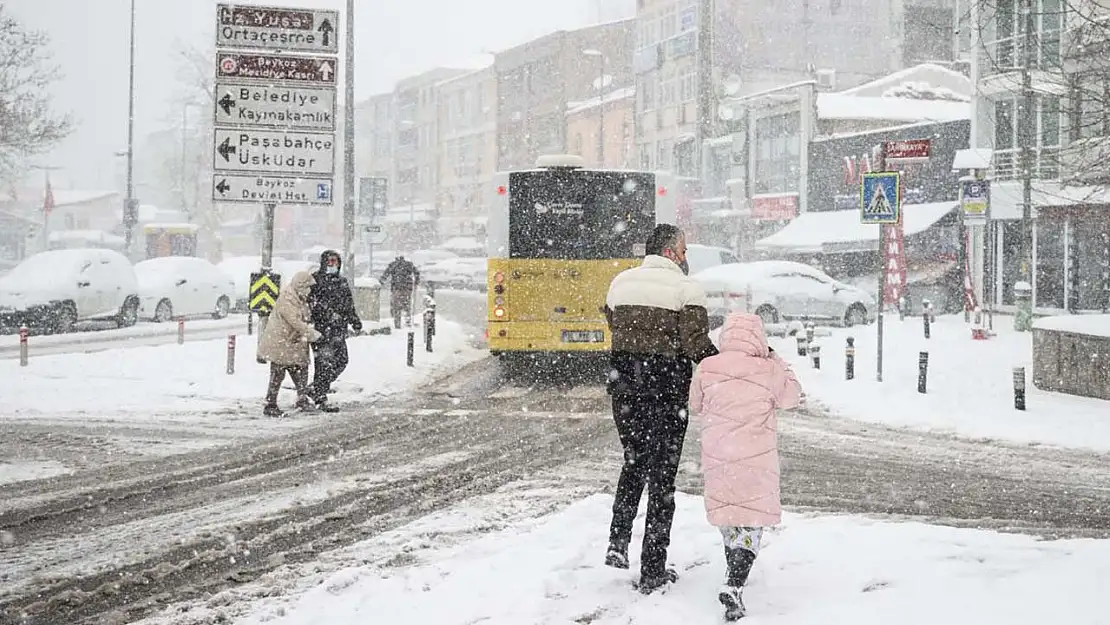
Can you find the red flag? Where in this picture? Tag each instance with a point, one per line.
(48, 201)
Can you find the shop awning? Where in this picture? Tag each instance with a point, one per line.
(1006, 197)
(841, 231)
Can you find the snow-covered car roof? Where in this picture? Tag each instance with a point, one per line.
(756, 270)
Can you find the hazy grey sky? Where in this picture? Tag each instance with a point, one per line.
(394, 38)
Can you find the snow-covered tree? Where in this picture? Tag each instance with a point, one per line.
(28, 124)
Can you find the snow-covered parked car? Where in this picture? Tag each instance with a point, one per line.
(183, 286)
(240, 268)
(779, 290)
(53, 290)
(702, 257)
(456, 273)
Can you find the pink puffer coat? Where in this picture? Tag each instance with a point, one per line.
(737, 393)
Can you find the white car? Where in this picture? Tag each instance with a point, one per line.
(183, 286)
(702, 257)
(53, 290)
(779, 290)
(456, 273)
(240, 268)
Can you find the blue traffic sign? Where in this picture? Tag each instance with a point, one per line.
(881, 198)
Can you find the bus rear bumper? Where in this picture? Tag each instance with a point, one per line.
(541, 336)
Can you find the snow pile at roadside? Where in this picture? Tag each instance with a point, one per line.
(969, 384)
(191, 378)
(813, 569)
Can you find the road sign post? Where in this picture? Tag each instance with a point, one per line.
(881, 204)
(275, 118)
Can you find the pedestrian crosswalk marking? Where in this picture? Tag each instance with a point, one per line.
(879, 204)
(511, 392)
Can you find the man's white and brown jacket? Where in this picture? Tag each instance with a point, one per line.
(660, 328)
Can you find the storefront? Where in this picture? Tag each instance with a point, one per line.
(1070, 247)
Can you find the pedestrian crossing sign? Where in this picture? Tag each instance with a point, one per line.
(881, 198)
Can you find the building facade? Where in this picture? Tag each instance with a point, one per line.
(374, 124)
(413, 213)
(537, 80)
(1069, 229)
(602, 130)
(467, 151)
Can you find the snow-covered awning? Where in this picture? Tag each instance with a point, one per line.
(1006, 197)
(841, 231)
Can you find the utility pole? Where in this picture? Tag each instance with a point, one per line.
(349, 145)
(706, 91)
(130, 215)
(1027, 122)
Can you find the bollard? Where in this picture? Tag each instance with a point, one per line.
(1019, 388)
(802, 344)
(250, 322)
(901, 309)
(815, 355)
(850, 359)
(231, 354)
(810, 329)
(411, 348)
(181, 330)
(922, 371)
(926, 317)
(429, 327)
(23, 355)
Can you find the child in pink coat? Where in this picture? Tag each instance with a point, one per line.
(737, 393)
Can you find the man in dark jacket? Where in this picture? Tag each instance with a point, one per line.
(660, 328)
(333, 310)
(403, 278)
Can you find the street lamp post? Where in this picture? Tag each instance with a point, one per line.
(130, 216)
(600, 104)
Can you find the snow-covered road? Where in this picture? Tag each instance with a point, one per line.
(118, 543)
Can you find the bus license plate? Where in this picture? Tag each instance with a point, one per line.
(583, 336)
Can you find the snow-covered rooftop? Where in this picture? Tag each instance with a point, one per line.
(930, 74)
(615, 95)
(849, 107)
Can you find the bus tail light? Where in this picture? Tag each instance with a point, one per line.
(499, 301)
(499, 277)
(499, 312)
(502, 190)
(662, 191)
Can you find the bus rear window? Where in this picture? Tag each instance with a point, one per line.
(579, 214)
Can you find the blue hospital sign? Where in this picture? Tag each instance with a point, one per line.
(881, 198)
(323, 191)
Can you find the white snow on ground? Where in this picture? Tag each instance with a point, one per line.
(813, 569)
(130, 384)
(969, 386)
(18, 470)
(235, 323)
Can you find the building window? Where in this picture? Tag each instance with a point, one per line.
(1050, 263)
(687, 86)
(1008, 127)
(645, 91)
(777, 153)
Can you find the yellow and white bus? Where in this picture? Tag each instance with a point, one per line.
(557, 235)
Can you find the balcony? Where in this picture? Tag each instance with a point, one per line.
(1046, 164)
(1004, 61)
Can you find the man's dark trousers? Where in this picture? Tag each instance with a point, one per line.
(330, 360)
(652, 429)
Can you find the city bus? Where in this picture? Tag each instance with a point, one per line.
(557, 236)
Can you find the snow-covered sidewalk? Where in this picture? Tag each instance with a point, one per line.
(969, 385)
(132, 384)
(813, 569)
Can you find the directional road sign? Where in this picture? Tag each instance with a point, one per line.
(881, 198)
(272, 189)
(264, 106)
(265, 287)
(301, 70)
(276, 28)
(376, 235)
(273, 152)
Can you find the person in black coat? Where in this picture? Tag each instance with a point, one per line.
(403, 277)
(333, 310)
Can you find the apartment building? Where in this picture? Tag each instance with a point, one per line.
(374, 136)
(602, 130)
(762, 45)
(537, 80)
(468, 151)
(415, 131)
(1070, 228)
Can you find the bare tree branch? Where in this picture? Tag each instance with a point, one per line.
(28, 125)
